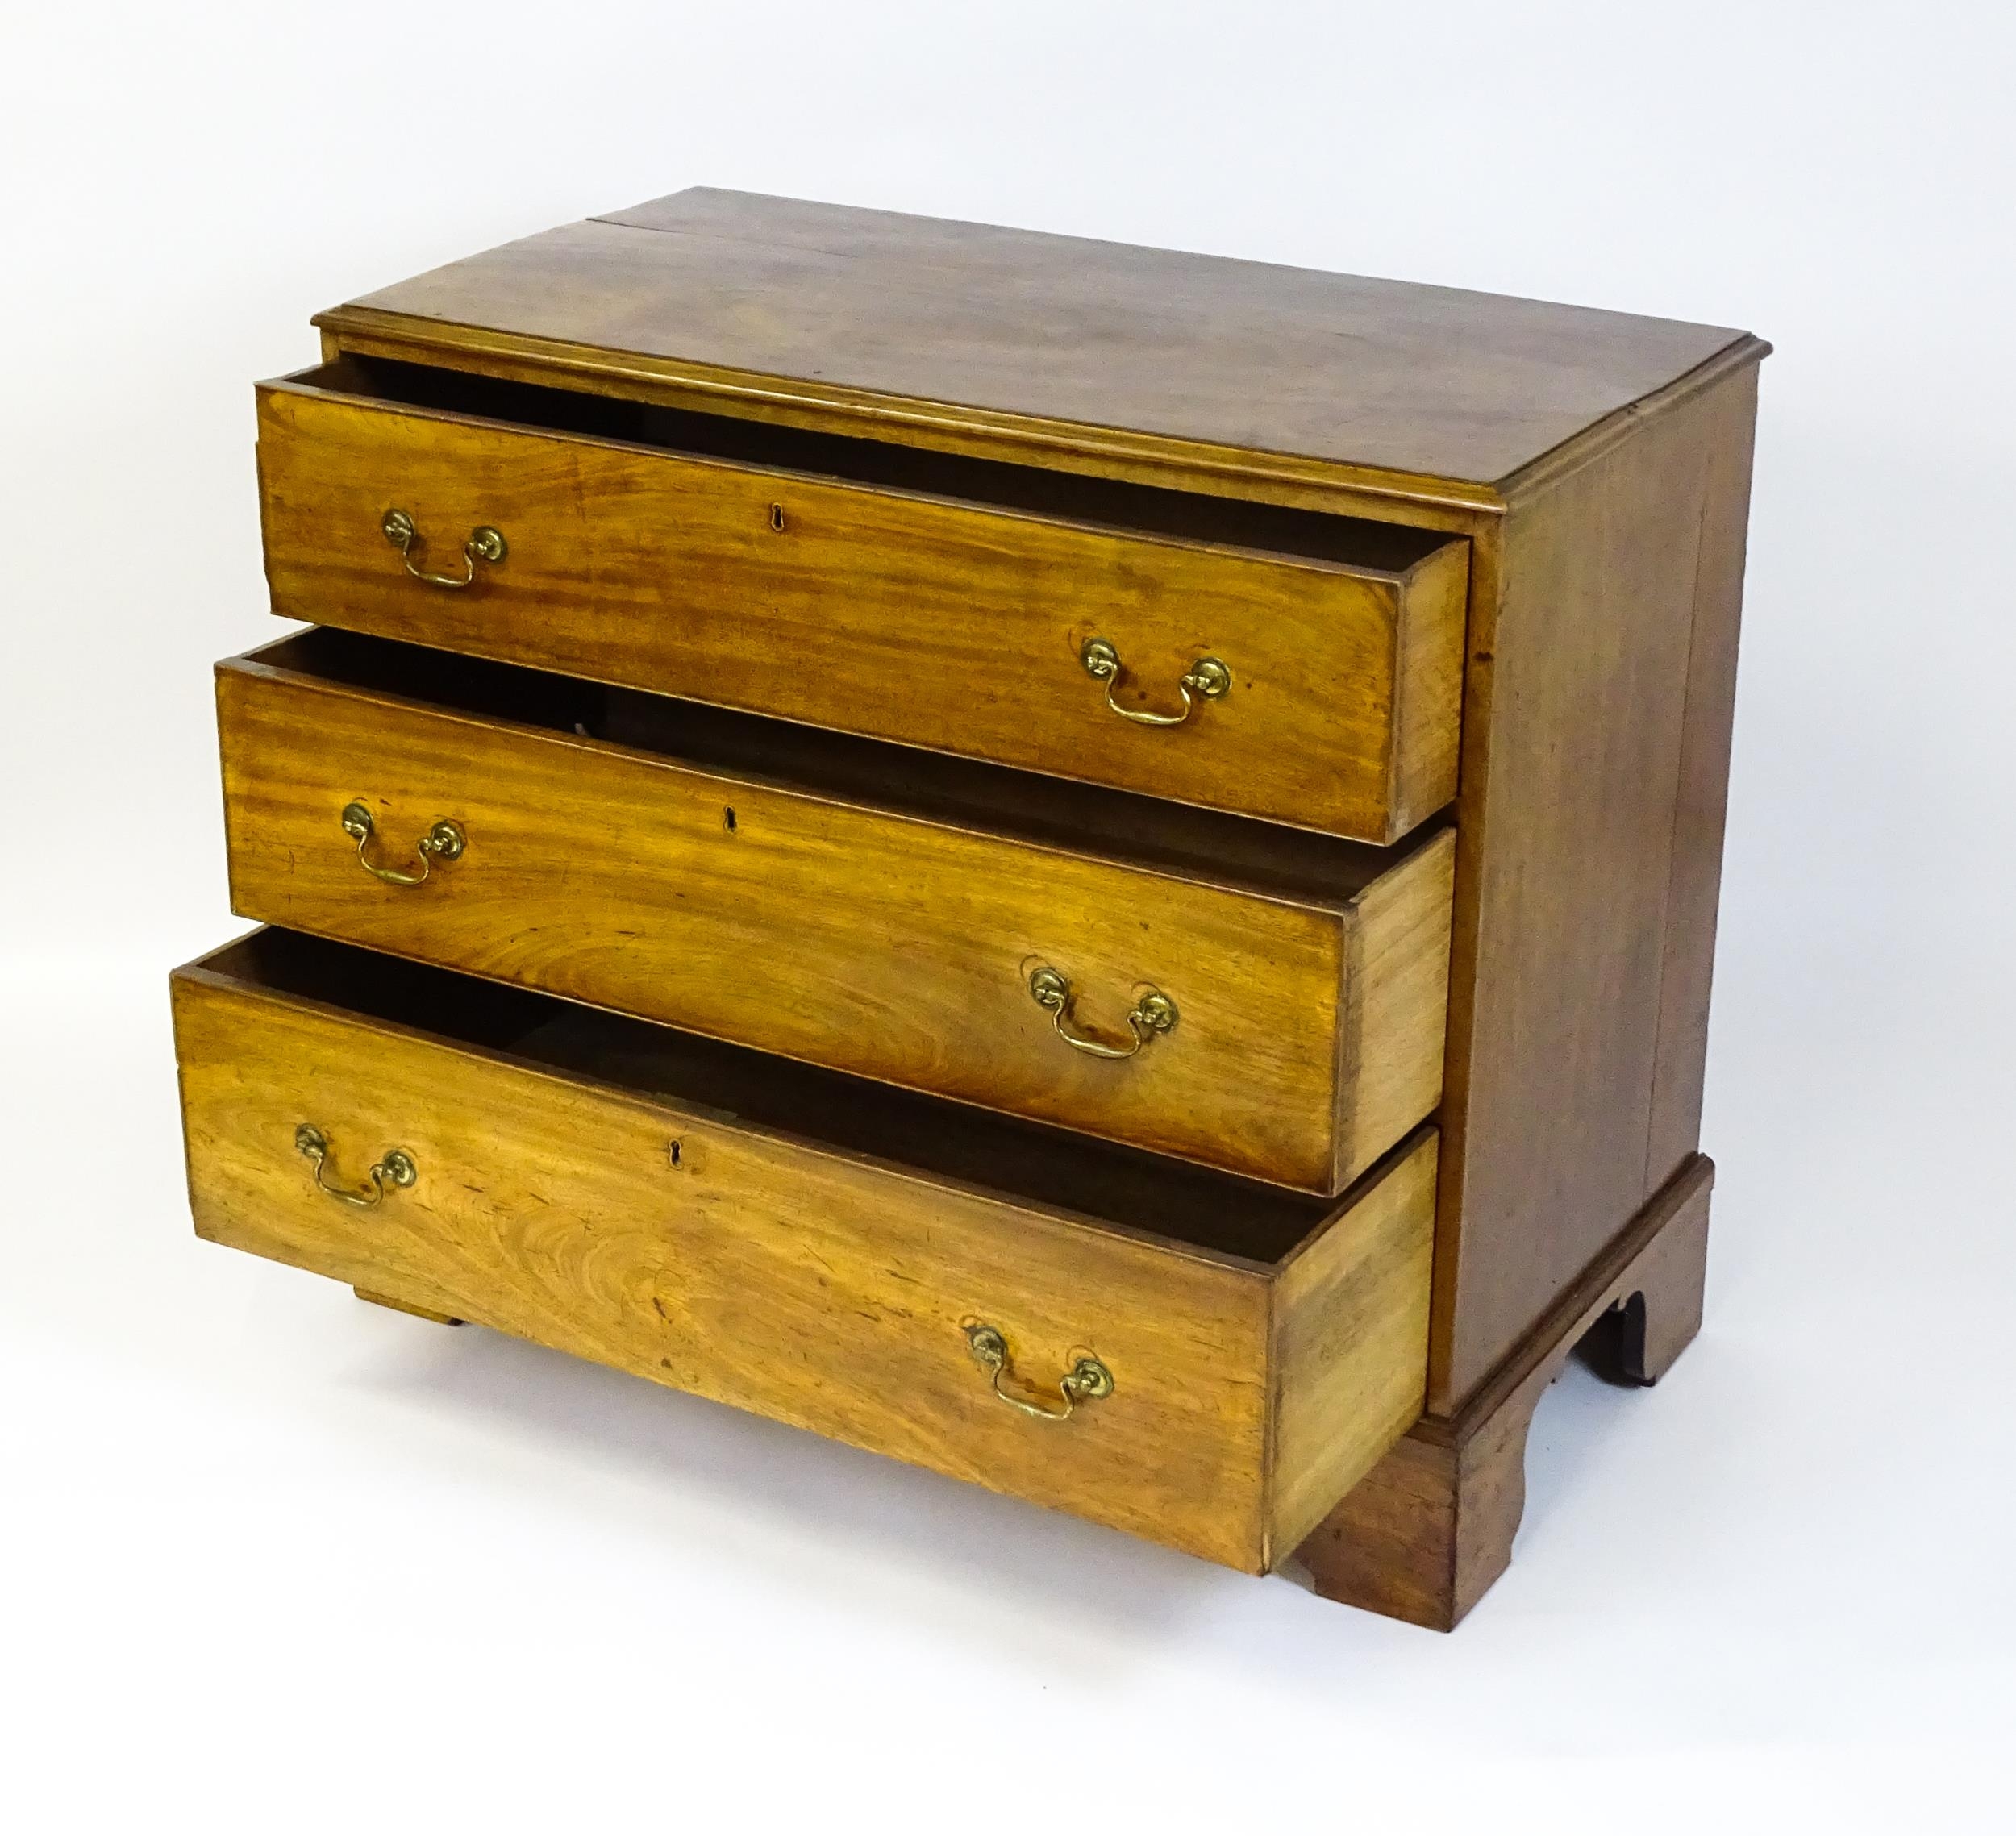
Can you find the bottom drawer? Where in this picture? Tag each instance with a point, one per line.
(1175, 1353)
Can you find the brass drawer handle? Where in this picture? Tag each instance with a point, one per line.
(1154, 1013)
(1086, 1381)
(1207, 675)
(484, 544)
(445, 841)
(397, 1168)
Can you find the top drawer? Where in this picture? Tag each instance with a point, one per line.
(1278, 663)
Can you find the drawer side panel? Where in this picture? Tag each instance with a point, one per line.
(1428, 696)
(1397, 1003)
(1351, 1346)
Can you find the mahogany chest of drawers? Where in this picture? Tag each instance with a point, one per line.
(1091, 867)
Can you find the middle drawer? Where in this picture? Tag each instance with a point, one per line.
(1195, 984)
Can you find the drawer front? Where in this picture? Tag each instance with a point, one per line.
(927, 621)
(888, 947)
(828, 1292)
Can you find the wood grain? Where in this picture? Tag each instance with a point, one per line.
(1396, 1003)
(868, 312)
(1701, 804)
(873, 942)
(1575, 716)
(788, 1276)
(953, 627)
(1233, 473)
(1428, 690)
(1350, 1309)
(878, 379)
(427, 1314)
(1431, 1526)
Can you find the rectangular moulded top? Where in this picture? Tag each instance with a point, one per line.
(848, 317)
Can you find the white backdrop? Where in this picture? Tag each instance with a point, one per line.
(277, 1562)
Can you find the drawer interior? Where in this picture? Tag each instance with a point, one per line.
(1136, 1192)
(1144, 510)
(1116, 825)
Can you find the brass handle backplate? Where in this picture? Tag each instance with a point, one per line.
(1086, 1381)
(1153, 1013)
(484, 544)
(1206, 676)
(396, 1169)
(445, 841)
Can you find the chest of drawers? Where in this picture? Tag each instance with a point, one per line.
(1092, 868)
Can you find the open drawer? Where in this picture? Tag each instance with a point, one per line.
(1185, 1356)
(1269, 1004)
(1276, 663)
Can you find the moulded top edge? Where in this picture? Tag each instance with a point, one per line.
(870, 313)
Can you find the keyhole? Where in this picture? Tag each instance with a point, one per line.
(727, 819)
(776, 518)
(671, 1153)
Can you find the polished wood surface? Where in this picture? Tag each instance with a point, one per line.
(840, 312)
(1309, 1033)
(864, 485)
(1694, 893)
(1351, 1308)
(1396, 1006)
(1588, 850)
(798, 1278)
(1430, 1527)
(938, 623)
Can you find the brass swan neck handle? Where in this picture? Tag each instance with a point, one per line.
(396, 1169)
(1153, 1013)
(1086, 1381)
(445, 841)
(484, 544)
(1207, 677)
